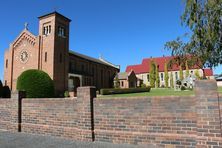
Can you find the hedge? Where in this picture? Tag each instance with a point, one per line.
(1, 89)
(36, 83)
(123, 90)
(6, 92)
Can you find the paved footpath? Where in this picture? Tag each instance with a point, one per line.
(23, 140)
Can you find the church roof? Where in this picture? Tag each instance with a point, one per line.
(144, 67)
(54, 13)
(92, 59)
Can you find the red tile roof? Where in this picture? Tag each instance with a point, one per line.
(208, 72)
(145, 66)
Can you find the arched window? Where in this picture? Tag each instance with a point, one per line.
(45, 56)
(6, 63)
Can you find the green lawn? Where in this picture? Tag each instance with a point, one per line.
(154, 92)
(220, 90)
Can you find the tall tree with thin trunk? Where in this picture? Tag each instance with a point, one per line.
(204, 43)
(157, 76)
(181, 73)
(171, 80)
(152, 73)
(197, 74)
(166, 75)
(187, 70)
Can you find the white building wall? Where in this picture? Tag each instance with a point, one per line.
(143, 76)
(219, 83)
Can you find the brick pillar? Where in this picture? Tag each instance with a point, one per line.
(85, 97)
(21, 95)
(208, 112)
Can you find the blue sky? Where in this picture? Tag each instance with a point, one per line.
(122, 31)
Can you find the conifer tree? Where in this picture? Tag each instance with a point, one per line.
(152, 74)
(187, 70)
(181, 73)
(116, 82)
(197, 74)
(157, 76)
(171, 80)
(166, 75)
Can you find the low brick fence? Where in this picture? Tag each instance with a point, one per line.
(156, 120)
(9, 114)
(188, 121)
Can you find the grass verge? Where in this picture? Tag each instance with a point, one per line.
(154, 92)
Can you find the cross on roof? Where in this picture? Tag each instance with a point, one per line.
(26, 26)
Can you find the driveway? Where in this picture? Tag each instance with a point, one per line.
(23, 140)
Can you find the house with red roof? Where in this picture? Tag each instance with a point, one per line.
(142, 70)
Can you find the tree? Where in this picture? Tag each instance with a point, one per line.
(116, 82)
(152, 74)
(204, 45)
(197, 74)
(181, 73)
(203, 17)
(157, 75)
(171, 80)
(166, 76)
(187, 70)
(36, 83)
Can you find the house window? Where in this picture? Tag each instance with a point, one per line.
(60, 58)
(122, 84)
(45, 56)
(5, 82)
(61, 31)
(148, 77)
(47, 30)
(6, 63)
(161, 75)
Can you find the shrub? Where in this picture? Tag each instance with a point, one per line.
(36, 83)
(183, 88)
(123, 91)
(66, 94)
(1, 89)
(143, 86)
(6, 93)
(178, 82)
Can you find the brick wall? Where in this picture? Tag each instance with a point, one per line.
(220, 103)
(9, 114)
(189, 121)
(209, 130)
(69, 118)
(157, 120)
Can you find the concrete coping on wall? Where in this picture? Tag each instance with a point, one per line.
(205, 87)
(145, 97)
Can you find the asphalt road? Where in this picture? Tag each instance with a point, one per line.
(23, 140)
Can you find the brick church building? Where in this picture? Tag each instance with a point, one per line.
(49, 51)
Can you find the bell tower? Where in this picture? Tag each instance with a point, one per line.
(54, 48)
